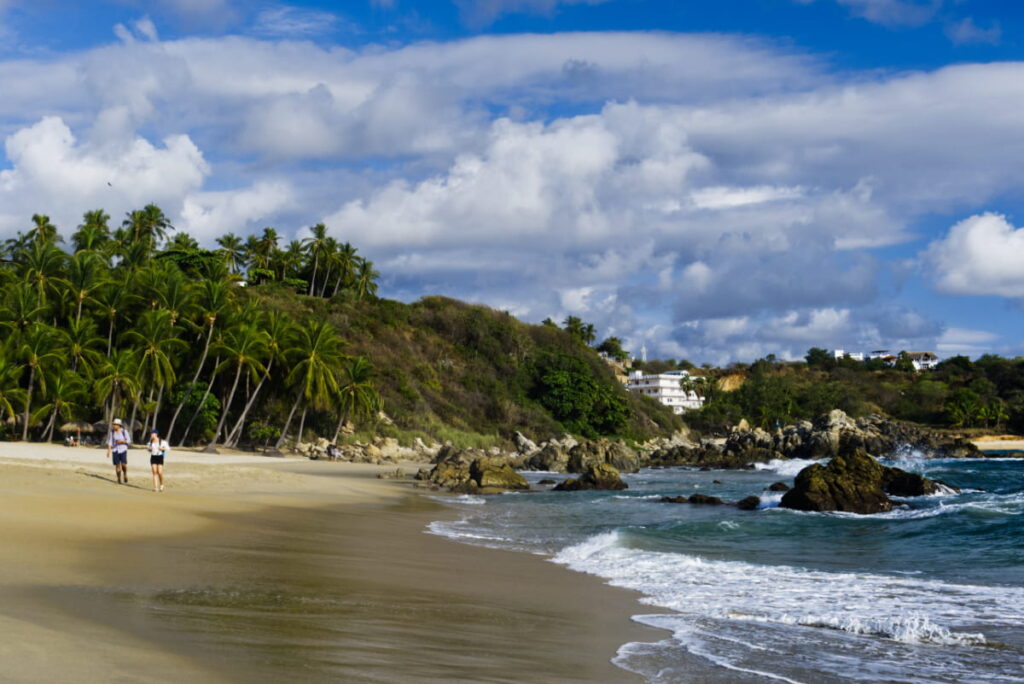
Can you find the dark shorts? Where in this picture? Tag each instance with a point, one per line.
(156, 460)
(120, 459)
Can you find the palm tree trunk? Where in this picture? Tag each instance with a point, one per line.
(312, 283)
(78, 313)
(49, 427)
(341, 423)
(202, 361)
(131, 421)
(110, 335)
(156, 410)
(149, 400)
(226, 407)
(327, 279)
(302, 423)
(287, 423)
(202, 402)
(28, 402)
(236, 431)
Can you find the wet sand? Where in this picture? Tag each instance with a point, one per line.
(276, 569)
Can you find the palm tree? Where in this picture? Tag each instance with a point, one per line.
(112, 299)
(21, 307)
(214, 299)
(43, 231)
(40, 352)
(356, 393)
(346, 261)
(156, 339)
(366, 282)
(148, 226)
(233, 251)
(65, 391)
(279, 330)
(315, 247)
(83, 344)
(316, 351)
(244, 348)
(42, 264)
(93, 233)
(86, 273)
(117, 381)
(11, 393)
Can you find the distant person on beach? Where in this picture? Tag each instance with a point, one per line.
(117, 448)
(158, 449)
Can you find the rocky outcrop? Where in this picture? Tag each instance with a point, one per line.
(472, 471)
(615, 454)
(749, 503)
(823, 438)
(383, 450)
(854, 482)
(778, 487)
(595, 476)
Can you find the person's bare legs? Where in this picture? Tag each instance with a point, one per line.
(156, 469)
(160, 473)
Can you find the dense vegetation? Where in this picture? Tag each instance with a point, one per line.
(958, 393)
(138, 323)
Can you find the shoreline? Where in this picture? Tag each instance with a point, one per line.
(114, 580)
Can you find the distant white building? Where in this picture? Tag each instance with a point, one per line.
(667, 388)
(841, 354)
(923, 360)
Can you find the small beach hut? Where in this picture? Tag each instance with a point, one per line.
(78, 427)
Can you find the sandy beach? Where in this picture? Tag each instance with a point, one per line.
(255, 569)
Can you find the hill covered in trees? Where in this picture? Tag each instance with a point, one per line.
(257, 342)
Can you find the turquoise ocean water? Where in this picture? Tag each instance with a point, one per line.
(930, 592)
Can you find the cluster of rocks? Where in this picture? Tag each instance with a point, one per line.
(383, 450)
(823, 438)
(853, 481)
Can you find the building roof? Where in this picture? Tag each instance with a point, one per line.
(922, 356)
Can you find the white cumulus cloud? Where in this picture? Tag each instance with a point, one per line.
(980, 255)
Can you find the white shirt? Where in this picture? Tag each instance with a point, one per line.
(158, 447)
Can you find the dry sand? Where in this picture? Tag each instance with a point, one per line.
(1000, 443)
(255, 569)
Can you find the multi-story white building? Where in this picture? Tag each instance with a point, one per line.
(667, 388)
(923, 360)
(841, 354)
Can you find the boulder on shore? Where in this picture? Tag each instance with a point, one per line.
(853, 482)
(472, 471)
(596, 476)
(749, 503)
(699, 499)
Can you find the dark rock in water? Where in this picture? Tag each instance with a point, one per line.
(749, 504)
(854, 482)
(699, 499)
(716, 482)
(851, 482)
(489, 473)
(706, 500)
(597, 476)
(551, 457)
(779, 487)
(547, 481)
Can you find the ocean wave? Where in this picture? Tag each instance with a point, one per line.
(899, 608)
(786, 467)
(770, 499)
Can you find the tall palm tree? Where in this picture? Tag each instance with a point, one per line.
(366, 280)
(279, 330)
(11, 392)
(43, 231)
(93, 233)
(82, 344)
(148, 226)
(21, 307)
(40, 352)
(42, 264)
(86, 273)
(117, 381)
(64, 394)
(316, 353)
(156, 340)
(214, 297)
(243, 348)
(356, 394)
(314, 246)
(347, 262)
(330, 252)
(112, 299)
(233, 251)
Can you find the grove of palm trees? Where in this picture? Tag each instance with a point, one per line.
(139, 322)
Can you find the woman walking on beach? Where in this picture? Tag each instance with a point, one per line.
(117, 449)
(158, 449)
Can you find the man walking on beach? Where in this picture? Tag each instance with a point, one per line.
(117, 448)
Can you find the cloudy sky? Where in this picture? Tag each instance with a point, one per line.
(716, 181)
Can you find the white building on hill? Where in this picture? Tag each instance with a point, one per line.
(667, 388)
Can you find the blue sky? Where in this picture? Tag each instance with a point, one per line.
(718, 181)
